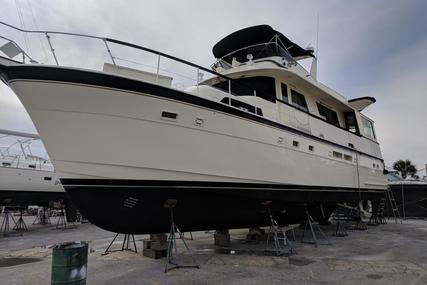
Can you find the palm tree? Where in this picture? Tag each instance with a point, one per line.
(405, 167)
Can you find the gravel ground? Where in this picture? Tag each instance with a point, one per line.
(385, 254)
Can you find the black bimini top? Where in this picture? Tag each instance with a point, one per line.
(256, 35)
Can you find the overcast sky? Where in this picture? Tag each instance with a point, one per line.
(366, 48)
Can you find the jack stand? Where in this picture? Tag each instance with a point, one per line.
(360, 225)
(62, 222)
(340, 231)
(277, 234)
(170, 258)
(222, 238)
(42, 217)
(125, 245)
(313, 224)
(182, 236)
(20, 225)
(5, 225)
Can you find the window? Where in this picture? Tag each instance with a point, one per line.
(298, 100)
(47, 178)
(284, 93)
(311, 148)
(242, 105)
(295, 143)
(368, 128)
(260, 86)
(350, 122)
(348, 157)
(337, 154)
(328, 114)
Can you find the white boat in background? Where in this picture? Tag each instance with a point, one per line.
(260, 128)
(26, 179)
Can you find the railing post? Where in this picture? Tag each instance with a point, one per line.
(51, 48)
(229, 86)
(109, 52)
(158, 68)
(197, 80)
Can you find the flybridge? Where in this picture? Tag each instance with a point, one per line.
(254, 43)
(254, 36)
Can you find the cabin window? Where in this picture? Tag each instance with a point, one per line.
(350, 122)
(242, 105)
(337, 154)
(348, 157)
(298, 100)
(260, 86)
(368, 128)
(311, 148)
(295, 143)
(284, 93)
(328, 114)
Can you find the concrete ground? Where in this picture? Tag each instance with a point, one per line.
(385, 254)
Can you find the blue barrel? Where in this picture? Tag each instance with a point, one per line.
(69, 263)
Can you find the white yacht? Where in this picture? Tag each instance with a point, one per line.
(260, 128)
(26, 179)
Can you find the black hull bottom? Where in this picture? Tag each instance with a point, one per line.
(131, 206)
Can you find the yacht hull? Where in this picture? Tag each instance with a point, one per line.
(108, 129)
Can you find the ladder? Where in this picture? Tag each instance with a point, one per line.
(380, 218)
(393, 205)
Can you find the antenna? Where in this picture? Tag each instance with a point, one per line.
(317, 36)
(313, 68)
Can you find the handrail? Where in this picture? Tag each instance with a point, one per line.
(46, 32)
(288, 57)
(167, 56)
(50, 32)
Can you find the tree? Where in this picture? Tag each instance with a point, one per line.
(405, 167)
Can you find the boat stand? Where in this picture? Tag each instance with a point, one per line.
(340, 230)
(5, 225)
(359, 225)
(277, 234)
(20, 225)
(182, 235)
(172, 255)
(310, 222)
(125, 244)
(42, 217)
(61, 224)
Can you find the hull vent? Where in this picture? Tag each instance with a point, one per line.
(130, 202)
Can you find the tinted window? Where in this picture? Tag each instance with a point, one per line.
(285, 93)
(298, 100)
(368, 128)
(260, 86)
(350, 122)
(328, 114)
